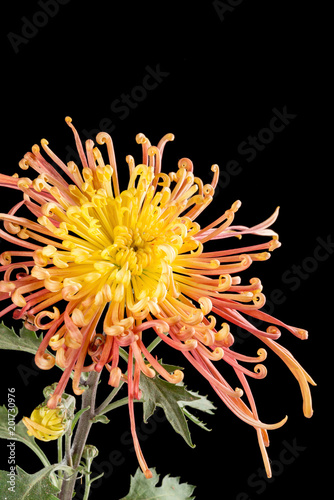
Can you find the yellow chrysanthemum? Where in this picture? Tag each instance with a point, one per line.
(46, 423)
(126, 261)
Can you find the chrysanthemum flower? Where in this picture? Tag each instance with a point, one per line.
(46, 423)
(102, 265)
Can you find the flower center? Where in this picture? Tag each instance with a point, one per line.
(129, 247)
(123, 247)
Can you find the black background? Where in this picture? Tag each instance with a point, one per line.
(223, 73)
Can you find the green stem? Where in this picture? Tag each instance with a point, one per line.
(60, 448)
(87, 479)
(60, 455)
(114, 392)
(68, 456)
(81, 434)
(116, 404)
(154, 343)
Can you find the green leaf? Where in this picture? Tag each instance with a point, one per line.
(147, 489)
(26, 486)
(101, 418)
(77, 415)
(158, 392)
(200, 403)
(27, 340)
(20, 434)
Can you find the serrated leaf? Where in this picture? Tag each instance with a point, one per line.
(29, 486)
(173, 398)
(27, 340)
(20, 434)
(147, 489)
(158, 392)
(200, 403)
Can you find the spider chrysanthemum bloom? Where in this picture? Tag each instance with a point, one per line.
(104, 264)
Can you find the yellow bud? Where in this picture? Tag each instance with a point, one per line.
(46, 424)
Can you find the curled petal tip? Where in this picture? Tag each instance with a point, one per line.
(53, 401)
(24, 164)
(262, 353)
(141, 138)
(303, 334)
(238, 392)
(170, 137)
(261, 370)
(148, 474)
(152, 150)
(44, 361)
(177, 376)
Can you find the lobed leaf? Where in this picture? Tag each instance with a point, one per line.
(158, 392)
(26, 486)
(173, 398)
(27, 340)
(147, 489)
(20, 434)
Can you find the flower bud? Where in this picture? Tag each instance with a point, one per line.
(46, 424)
(90, 452)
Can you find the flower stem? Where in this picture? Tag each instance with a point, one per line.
(87, 479)
(81, 434)
(101, 409)
(60, 448)
(60, 456)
